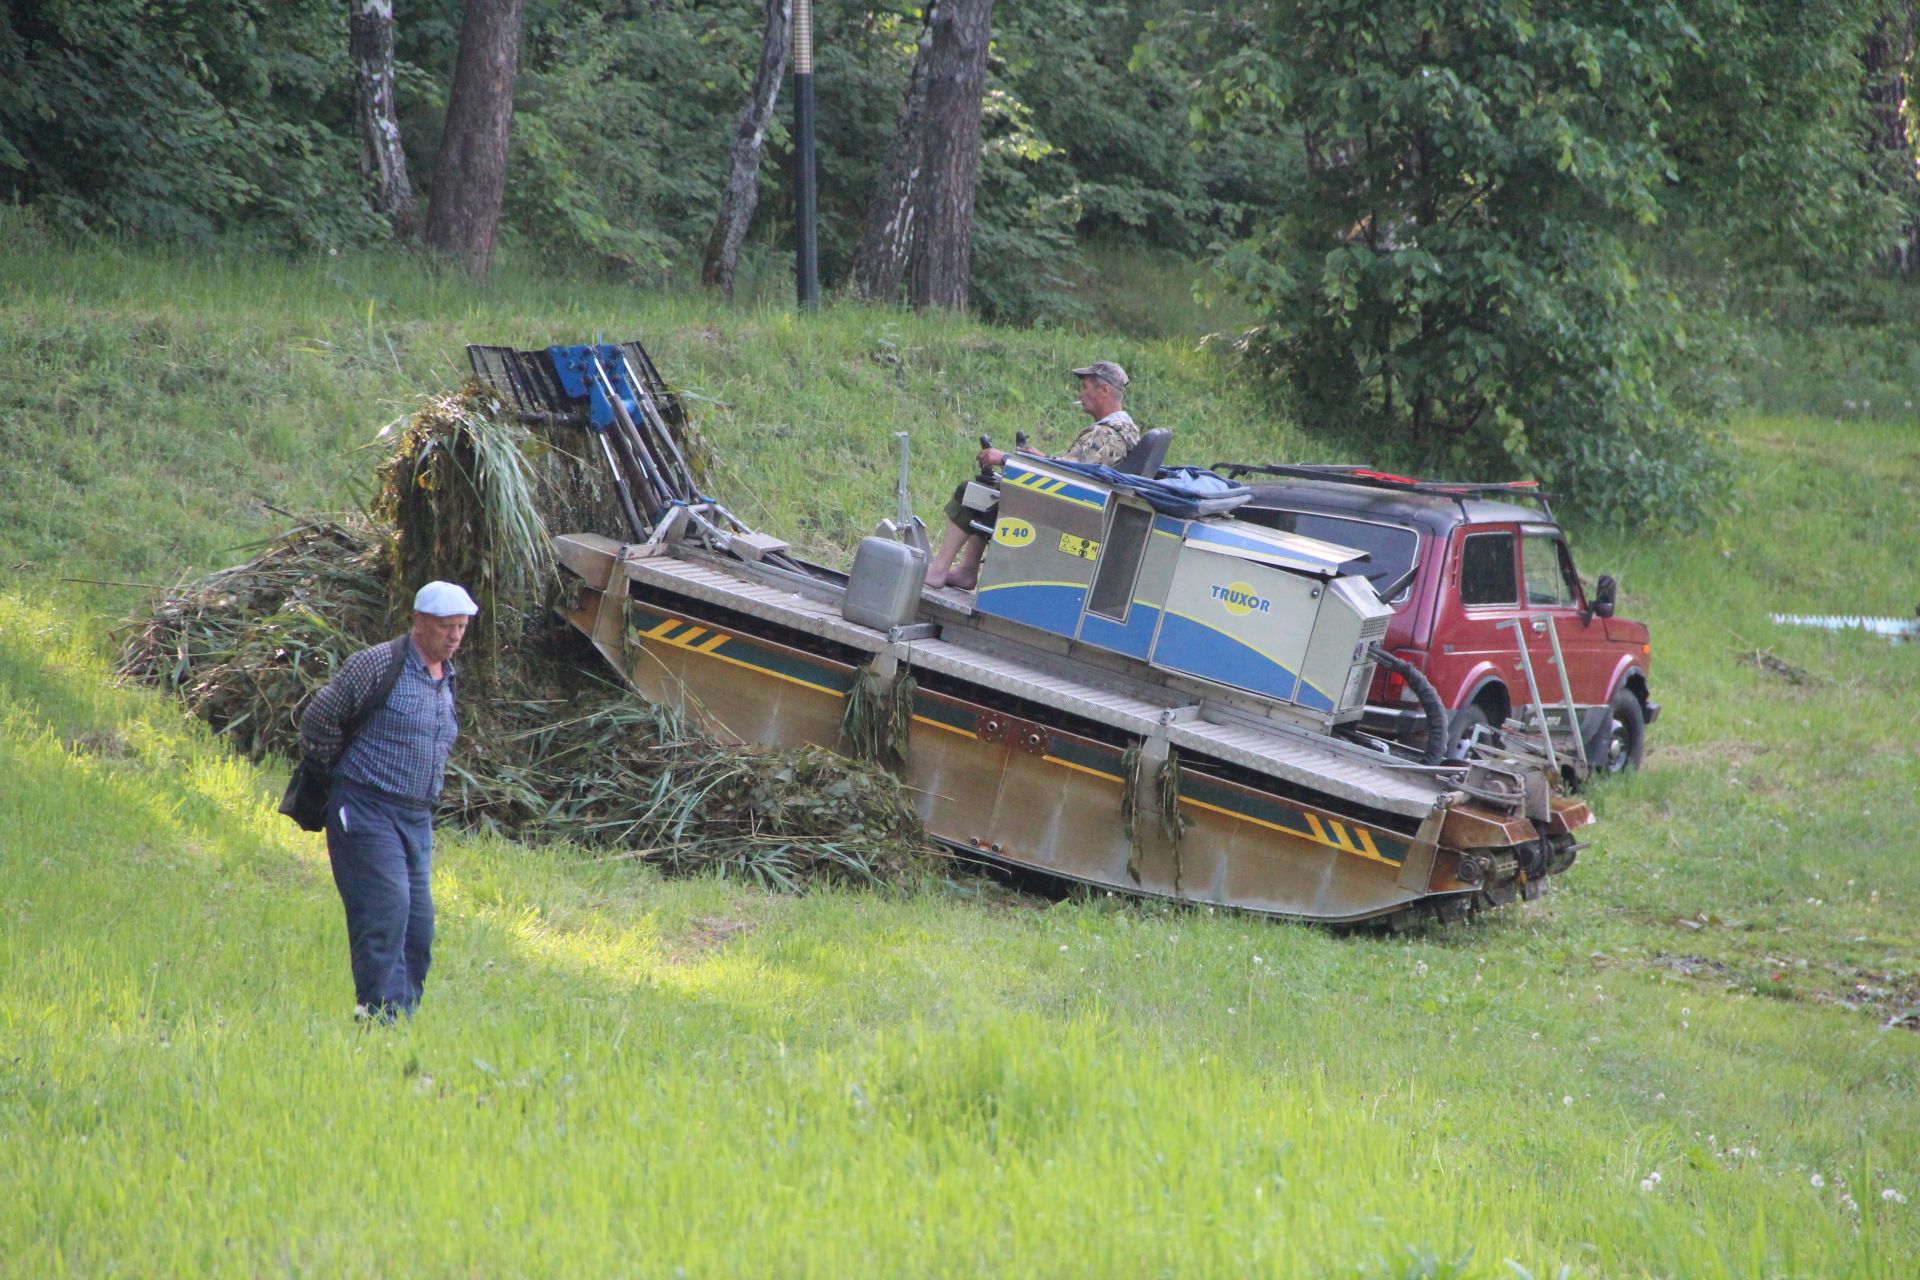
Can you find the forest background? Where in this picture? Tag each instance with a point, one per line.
(1499, 238)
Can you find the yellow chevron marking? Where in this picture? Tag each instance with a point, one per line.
(712, 652)
(708, 646)
(686, 638)
(1052, 488)
(662, 630)
(1356, 841)
(1368, 850)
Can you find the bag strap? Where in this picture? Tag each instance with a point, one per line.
(378, 695)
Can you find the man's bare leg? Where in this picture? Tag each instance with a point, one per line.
(942, 559)
(964, 576)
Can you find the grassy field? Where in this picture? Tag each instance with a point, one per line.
(155, 407)
(1695, 1059)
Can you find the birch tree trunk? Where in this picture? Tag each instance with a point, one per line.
(943, 265)
(383, 164)
(887, 233)
(470, 176)
(741, 196)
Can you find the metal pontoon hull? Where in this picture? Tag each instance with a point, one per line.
(1021, 760)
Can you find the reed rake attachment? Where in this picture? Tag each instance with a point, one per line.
(613, 391)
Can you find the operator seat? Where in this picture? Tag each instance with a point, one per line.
(1144, 459)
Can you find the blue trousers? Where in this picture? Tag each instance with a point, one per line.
(382, 855)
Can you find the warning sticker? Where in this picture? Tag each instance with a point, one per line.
(1085, 548)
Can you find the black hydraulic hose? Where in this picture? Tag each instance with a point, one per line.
(1436, 752)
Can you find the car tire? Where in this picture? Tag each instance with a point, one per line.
(1460, 727)
(1622, 743)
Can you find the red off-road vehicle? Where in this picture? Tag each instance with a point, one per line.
(1473, 574)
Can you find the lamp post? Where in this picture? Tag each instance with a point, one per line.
(806, 254)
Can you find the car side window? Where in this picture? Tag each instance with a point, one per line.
(1548, 569)
(1486, 570)
(1391, 548)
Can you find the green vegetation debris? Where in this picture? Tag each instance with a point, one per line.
(547, 751)
(879, 716)
(1166, 802)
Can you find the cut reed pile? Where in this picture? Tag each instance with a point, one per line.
(246, 647)
(548, 751)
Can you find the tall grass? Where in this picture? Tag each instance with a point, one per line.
(1688, 1061)
(160, 404)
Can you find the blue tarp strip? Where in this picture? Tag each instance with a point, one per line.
(1177, 491)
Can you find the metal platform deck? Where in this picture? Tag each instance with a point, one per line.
(1322, 764)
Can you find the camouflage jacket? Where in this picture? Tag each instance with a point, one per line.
(1105, 442)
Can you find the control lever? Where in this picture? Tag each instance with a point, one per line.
(982, 493)
(987, 475)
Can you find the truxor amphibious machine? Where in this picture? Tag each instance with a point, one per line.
(1143, 694)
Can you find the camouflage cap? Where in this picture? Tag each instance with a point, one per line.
(1107, 371)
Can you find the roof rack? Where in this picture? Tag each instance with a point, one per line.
(1347, 473)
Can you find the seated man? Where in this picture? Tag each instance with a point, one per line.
(1103, 386)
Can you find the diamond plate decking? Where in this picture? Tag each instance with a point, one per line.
(1324, 766)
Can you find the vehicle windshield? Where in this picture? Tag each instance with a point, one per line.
(1390, 548)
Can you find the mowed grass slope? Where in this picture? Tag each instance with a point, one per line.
(1679, 1064)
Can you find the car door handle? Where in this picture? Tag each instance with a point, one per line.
(1539, 626)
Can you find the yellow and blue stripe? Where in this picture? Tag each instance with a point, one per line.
(781, 664)
(1053, 486)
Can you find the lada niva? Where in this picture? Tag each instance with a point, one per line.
(1473, 572)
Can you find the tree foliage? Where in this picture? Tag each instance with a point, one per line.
(1458, 217)
(179, 121)
(1457, 262)
(1766, 133)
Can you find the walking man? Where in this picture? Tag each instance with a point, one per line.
(1103, 387)
(383, 729)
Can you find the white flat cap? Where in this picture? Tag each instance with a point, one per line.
(443, 600)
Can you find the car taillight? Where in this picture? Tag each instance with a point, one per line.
(1389, 685)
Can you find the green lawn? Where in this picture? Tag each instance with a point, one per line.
(1678, 1064)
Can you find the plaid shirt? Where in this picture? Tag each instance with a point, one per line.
(402, 747)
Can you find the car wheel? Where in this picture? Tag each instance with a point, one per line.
(1461, 726)
(1624, 744)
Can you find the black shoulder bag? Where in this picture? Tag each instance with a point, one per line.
(305, 800)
